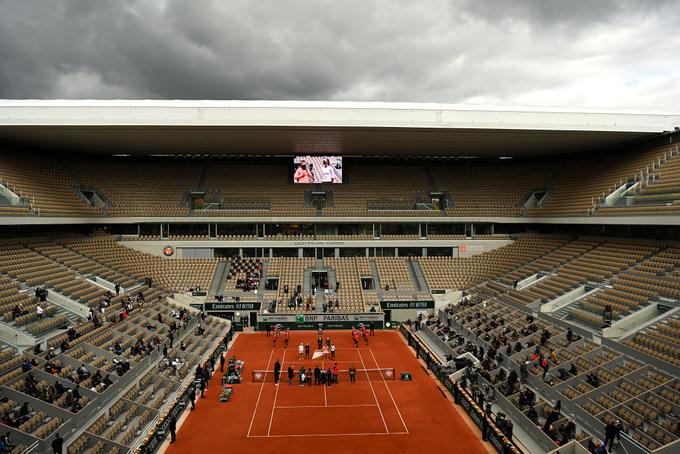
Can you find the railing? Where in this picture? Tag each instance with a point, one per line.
(155, 429)
(461, 397)
(237, 205)
(390, 205)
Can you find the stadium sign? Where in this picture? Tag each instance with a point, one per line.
(319, 243)
(232, 306)
(407, 304)
(316, 321)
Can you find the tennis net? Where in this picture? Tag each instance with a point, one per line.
(267, 376)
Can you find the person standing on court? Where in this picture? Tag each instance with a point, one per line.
(57, 444)
(352, 374)
(332, 352)
(221, 362)
(301, 374)
(317, 375)
(277, 372)
(319, 341)
(172, 427)
(335, 373)
(301, 351)
(286, 337)
(269, 328)
(291, 375)
(307, 350)
(372, 326)
(329, 377)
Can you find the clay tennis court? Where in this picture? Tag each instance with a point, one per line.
(378, 413)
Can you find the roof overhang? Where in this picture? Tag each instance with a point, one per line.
(288, 127)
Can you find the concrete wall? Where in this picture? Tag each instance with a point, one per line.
(473, 247)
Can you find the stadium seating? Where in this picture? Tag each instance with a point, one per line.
(393, 273)
(350, 295)
(465, 272)
(172, 274)
(139, 189)
(580, 183)
(494, 189)
(45, 182)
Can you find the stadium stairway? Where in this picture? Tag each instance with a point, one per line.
(431, 179)
(374, 273)
(419, 281)
(219, 281)
(263, 277)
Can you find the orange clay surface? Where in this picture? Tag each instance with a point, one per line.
(372, 416)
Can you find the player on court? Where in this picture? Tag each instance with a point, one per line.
(275, 336)
(286, 338)
(301, 350)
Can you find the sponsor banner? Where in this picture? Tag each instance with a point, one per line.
(313, 326)
(198, 306)
(319, 318)
(392, 305)
(316, 321)
(232, 306)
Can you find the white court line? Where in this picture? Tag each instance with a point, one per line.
(325, 395)
(390, 392)
(327, 406)
(259, 395)
(373, 391)
(278, 386)
(329, 435)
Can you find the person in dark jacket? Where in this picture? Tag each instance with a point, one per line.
(611, 432)
(57, 444)
(172, 427)
(192, 398)
(277, 372)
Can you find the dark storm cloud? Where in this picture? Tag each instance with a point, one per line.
(605, 53)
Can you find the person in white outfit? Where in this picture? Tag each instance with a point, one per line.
(327, 172)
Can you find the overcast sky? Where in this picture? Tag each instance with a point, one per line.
(570, 53)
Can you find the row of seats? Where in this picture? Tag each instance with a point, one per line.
(163, 189)
(465, 272)
(171, 274)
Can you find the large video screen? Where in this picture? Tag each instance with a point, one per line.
(317, 169)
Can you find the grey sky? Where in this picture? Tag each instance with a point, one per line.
(570, 53)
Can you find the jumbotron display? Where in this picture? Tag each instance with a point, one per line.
(317, 169)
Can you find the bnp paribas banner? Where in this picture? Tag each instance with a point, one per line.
(316, 321)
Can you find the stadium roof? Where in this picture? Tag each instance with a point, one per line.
(157, 127)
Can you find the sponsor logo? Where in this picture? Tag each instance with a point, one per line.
(168, 251)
